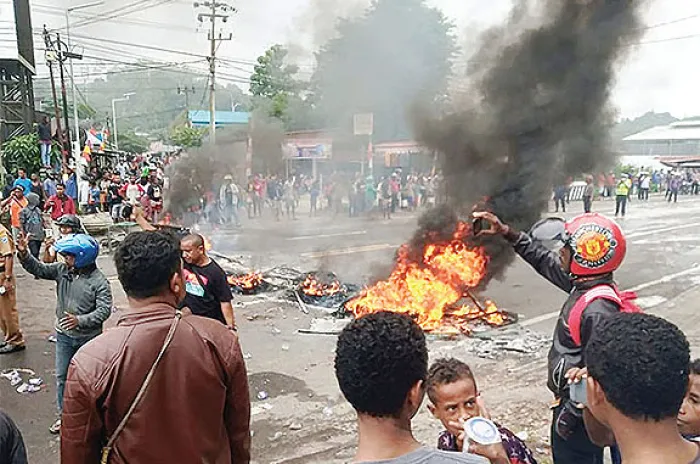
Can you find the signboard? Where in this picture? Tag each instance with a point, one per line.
(363, 124)
(300, 149)
(16, 41)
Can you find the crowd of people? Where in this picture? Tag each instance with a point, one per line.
(622, 188)
(336, 194)
(178, 340)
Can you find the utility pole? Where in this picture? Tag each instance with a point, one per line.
(51, 56)
(186, 91)
(215, 10)
(64, 96)
(72, 56)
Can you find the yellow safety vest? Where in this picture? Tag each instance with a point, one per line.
(623, 187)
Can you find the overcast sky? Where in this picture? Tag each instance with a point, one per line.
(659, 74)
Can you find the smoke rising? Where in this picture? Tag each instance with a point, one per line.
(535, 110)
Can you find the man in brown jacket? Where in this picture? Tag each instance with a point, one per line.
(196, 406)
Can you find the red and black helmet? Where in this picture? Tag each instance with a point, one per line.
(597, 243)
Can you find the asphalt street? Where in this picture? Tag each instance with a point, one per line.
(662, 256)
(295, 371)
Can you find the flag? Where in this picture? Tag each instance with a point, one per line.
(87, 153)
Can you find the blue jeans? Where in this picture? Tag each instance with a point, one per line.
(45, 153)
(66, 347)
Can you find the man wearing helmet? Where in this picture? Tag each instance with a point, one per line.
(84, 299)
(592, 246)
(66, 224)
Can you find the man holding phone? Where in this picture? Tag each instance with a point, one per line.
(591, 247)
(84, 299)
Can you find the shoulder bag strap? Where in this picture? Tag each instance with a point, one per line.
(107, 449)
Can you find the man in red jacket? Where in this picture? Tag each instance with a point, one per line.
(59, 204)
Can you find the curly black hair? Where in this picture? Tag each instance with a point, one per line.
(378, 359)
(146, 261)
(641, 362)
(445, 371)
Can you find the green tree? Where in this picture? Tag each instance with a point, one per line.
(187, 137)
(398, 53)
(273, 83)
(23, 152)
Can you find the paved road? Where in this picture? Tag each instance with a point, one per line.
(296, 371)
(663, 249)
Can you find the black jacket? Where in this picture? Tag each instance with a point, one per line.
(12, 450)
(564, 354)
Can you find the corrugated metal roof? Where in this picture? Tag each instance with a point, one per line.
(681, 130)
(223, 118)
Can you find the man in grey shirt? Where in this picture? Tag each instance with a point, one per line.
(381, 364)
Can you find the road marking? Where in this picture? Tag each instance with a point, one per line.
(348, 251)
(311, 237)
(665, 229)
(666, 240)
(651, 283)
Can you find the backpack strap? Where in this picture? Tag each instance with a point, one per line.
(605, 292)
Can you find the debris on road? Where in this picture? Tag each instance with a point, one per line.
(16, 380)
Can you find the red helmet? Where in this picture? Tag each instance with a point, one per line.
(597, 244)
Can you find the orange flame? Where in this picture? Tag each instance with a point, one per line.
(246, 281)
(430, 290)
(313, 287)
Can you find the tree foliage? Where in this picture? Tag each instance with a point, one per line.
(23, 152)
(133, 143)
(278, 93)
(399, 52)
(187, 137)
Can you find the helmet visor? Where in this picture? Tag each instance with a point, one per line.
(551, 232)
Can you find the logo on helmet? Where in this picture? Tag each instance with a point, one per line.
(594, 245)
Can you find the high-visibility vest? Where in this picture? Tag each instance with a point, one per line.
(623, 187)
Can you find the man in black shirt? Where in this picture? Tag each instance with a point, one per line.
(208, 292)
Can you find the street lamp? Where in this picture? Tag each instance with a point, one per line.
(76, 144)
(114, 116)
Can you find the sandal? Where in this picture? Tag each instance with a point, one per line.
(55, 429)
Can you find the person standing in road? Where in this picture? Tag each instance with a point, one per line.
(83, 300)
(22, 181)
(16, 203)
(65, 225)
(381, 364)
(32, 223)
(674, 185)
(71, 183)
(592, 247)
(50, 185)
(645, 185)
(38, 188)
(588, 193)
(9, 317)
(60, 204)
(560, 198)
(228, 199)
(622, 191)
(182, 376)
(207, 291)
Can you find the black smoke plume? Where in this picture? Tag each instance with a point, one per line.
(538, 111)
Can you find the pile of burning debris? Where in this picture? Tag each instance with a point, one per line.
(437, 289)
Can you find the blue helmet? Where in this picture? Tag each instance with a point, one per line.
(82, 246)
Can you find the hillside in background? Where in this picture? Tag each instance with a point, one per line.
(627, 127)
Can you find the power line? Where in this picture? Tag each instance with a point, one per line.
(134, 7)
